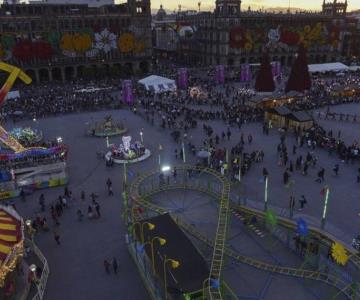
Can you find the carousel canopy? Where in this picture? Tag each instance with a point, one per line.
(328, 67)
(158, 84)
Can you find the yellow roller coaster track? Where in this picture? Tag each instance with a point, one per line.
(142, 201)
(221, 230)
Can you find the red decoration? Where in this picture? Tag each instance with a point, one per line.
(238, 37)
(299, 79)
(334, 34)
(289, 37)
(42, 50)
(23, 50)
(264, 79)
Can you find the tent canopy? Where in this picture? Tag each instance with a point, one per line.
(158, 84)
(328, 67)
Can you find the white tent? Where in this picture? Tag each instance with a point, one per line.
(158, 84)
(328, 67)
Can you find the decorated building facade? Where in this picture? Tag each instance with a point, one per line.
(64, 41)
(231, 36)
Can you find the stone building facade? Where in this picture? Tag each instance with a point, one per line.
(62, 41)
(232, 37)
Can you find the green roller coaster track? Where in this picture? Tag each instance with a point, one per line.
(141, 200)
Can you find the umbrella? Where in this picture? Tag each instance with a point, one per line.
(203, 154)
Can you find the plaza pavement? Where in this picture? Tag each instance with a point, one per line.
(77, 265)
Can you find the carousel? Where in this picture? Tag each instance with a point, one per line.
(25, 165)
(27, 136)
(127, 152)
(11, 250)
(108, 127)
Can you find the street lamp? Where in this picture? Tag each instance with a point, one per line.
(266, 193)
(165, 168)
(150, 226)
(160, 149)
(174, 264)
(141, 137)
(323, 219)
(162, 242)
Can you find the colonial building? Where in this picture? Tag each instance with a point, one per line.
(231, 36)
(64, 41)
(164, 33)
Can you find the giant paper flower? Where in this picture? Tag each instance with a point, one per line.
(23, 50)
(105, 41)
(339, 254)
(66, 42)
(238, 37)
(42, 50)
(139, 46)
(126, 42)
(82, 42)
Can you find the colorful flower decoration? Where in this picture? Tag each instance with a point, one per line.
(139, 46)
(7, 41)
(42, 50)
(53, 37)
(339, 254)
(126, 42)
(105, 41)
(66, 42)
(82, 42)
(23, 50)
(238, 37)
(290, 38)
(2, 51)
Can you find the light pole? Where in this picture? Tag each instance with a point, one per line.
(323, 219)
(162, 242)
(204, 287)
(142, 137)
(174, 264)
(160, 149)
(266, 193)
(183, 151)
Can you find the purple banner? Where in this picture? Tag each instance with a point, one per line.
(220, 74)
(127, 93)
(278, 68)
(183, 78)
(245, 74)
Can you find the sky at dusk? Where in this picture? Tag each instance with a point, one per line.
(209, 4)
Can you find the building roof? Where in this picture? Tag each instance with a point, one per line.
(328, 67)
(280, 110)
(300, 116)
(193, 269)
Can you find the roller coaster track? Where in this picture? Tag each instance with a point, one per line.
(141, 201)
(221, 230)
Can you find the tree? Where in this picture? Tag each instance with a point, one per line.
(299, 79)
(264, 79)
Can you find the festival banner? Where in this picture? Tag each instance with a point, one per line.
(182, 78)
(127, 94)
(278, 68)
(220, 74)
(247, 72)
(242, 73)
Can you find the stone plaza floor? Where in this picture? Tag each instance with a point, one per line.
(76, 265)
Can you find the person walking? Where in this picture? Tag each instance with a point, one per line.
(302, 202)
(336, 170)
(82, 195)
(56, 237)
(107, 266)
(42, 202)
(109, 187)
(320, 175)
(115, 265)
